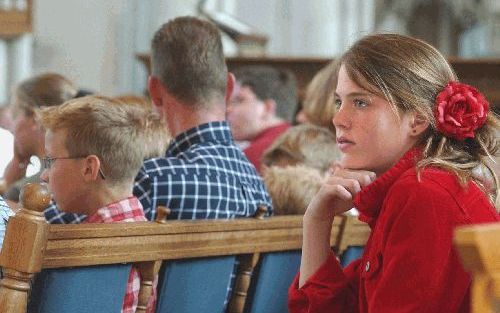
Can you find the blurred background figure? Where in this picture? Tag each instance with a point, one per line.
(262, 108)
(295, 166)
(40, 91)
(318, 106)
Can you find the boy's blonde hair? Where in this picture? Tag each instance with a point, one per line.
(319, 102)
(100, 126)
(306, 144)
(157, 134)
(410, 73)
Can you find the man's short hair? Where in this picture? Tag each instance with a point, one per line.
(100, 126)
(188, 59)
(271, 83)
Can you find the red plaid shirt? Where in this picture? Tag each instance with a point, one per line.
(127, 210)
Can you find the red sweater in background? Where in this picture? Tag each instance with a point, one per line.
(409, 263)
(261, 142)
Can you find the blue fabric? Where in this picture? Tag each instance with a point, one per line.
(351, 254)
(90, 289)
(195, 285)
(273, 276)
(203, 175)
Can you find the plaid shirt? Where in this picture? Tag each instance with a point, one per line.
(203, 175)
(127, 210)
(5, 214)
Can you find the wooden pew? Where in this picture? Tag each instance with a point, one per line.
(479, 249)
(31, 245)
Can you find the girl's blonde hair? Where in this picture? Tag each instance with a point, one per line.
(410, 73)
(319, 103)
(305, 144)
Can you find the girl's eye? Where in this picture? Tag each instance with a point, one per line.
(338, 103)
(360, 103)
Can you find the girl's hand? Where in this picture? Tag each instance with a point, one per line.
(337, 192)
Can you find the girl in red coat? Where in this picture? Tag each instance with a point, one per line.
(410, 137)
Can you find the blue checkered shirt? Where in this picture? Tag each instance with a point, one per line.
(203, 175)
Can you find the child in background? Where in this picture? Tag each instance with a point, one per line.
(94, 149)
(295, 166)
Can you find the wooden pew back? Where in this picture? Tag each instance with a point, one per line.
(32, 245)
(479, 249)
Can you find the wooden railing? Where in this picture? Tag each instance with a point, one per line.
(16, 19)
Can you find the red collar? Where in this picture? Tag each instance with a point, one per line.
(369, 201)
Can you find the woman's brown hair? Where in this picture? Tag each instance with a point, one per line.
(43, 90)
(410, 73)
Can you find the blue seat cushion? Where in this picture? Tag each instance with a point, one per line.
(80, 289)
(194, 285)
(274, 274)
(352, 253)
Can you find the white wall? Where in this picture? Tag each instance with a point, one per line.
(80, 40)
(93, 42)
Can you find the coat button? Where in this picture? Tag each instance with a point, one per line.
(367, 266)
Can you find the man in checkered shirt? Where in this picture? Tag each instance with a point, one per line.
(203, 174)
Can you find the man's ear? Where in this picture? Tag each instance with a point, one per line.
(418, 124)
(155, 90)
(270, 106)
(229, 87)
(90, 169)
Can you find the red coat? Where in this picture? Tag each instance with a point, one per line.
(409, 263)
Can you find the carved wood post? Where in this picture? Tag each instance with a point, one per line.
(148, 271)
(23, 248)
(247, 263)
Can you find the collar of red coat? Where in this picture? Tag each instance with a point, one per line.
(369, 201)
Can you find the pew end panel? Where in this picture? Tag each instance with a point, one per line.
(479, 250)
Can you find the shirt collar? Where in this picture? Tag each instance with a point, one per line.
(118, 211)
(369, 200)
(218, 132)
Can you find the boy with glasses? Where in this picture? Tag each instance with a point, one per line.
(94, 148)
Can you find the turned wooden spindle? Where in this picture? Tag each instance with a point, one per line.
(162, 214)
(149, 270)
(23, 248)
(148, 273)
(261, 212)
(247, 263)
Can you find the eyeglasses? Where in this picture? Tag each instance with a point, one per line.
(47, 163)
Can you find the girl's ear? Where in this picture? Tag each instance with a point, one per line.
(418, 124)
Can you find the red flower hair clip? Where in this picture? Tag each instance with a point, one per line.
(460, 110)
